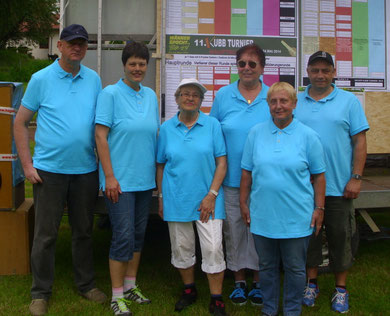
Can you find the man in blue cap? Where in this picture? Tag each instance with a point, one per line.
(338, 117)
(63, 170)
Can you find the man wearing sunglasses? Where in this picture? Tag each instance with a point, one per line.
(239, 106)
(338, 117)
(63, 170)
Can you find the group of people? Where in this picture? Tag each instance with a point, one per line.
(259, 177)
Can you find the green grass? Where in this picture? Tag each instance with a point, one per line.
(368, 281)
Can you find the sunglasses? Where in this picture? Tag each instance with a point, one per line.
(252, 64)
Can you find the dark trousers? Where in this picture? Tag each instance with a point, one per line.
(78, 192)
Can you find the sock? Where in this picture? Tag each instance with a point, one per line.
(216, 297)
(255, 285)
(117, 292)
(236, 283)
(314, 281)
(129, 283)
(189, 286)
(341, 287)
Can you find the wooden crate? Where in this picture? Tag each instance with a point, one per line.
(16, 237)
(11, 194)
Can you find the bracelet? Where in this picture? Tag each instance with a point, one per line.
(160, 195)
(320, 208)
(213, 192)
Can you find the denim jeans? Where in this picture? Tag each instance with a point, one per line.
(292, 253)
(129, 217)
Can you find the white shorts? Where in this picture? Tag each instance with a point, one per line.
(240, 247)
(182, 237)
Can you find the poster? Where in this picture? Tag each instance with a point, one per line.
(353, 32)
(211, 59)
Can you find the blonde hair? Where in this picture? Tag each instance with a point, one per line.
(282, 86)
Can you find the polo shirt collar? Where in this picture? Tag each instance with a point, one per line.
(289, 129)
(129, 89)
(261, 96)
(200, 121)
(329, 97)
(62, 73)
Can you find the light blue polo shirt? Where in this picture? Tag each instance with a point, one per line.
(189, 157)
(133, 119)
(336, 118)
(237, 117)
(281, 161)
(64, 139)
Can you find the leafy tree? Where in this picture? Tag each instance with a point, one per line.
(28, 19)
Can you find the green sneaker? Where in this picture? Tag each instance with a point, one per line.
(135, 295)
(119, 307)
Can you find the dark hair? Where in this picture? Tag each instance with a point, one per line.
(135, 49)
(251, 49)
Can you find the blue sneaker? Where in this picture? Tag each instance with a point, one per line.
(239, 294)
(255, 296)
(310, 294)
(340, 300)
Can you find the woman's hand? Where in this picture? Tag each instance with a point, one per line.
(245, 214)
(113, 189)
(207, 208)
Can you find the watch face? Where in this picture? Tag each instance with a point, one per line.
(357, 176)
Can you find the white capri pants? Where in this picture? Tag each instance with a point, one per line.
(182, 237)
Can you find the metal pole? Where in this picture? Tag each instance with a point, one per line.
(99, 38)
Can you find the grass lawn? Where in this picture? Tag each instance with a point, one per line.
(368, 281)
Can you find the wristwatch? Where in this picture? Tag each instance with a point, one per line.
(356, 176)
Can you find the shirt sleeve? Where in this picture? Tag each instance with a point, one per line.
(219, 141)
(315, 154)
(31, 98)
(105, 108)
(215, 108)
(161, 145)
(247, 155)
(357, 118)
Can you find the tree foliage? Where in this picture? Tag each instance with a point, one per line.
(28, 19)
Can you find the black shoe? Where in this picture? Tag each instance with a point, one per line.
(187, 298)
(217, 307)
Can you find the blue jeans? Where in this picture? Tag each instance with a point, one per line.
(129, 217)
(292, 253)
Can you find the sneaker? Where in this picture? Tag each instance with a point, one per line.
(187, 298)
(255, 296)
(38, 307)
(119, 307)
(217, 307)
(135, 295)
(239, 294)
(340, 300)
(95, 295)
(310, 294)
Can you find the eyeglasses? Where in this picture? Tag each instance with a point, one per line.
(242, 63)
(188, 95)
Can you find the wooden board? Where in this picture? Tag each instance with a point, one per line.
(16, 236)
(377, 107)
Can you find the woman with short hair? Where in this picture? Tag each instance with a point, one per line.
(279, 159)
(191, 166)
(127, 121)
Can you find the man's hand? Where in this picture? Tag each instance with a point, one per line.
(245, 214)
(32, 175)
(352, 189)
(317, 219)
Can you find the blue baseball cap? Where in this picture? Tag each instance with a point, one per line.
(74, 31)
